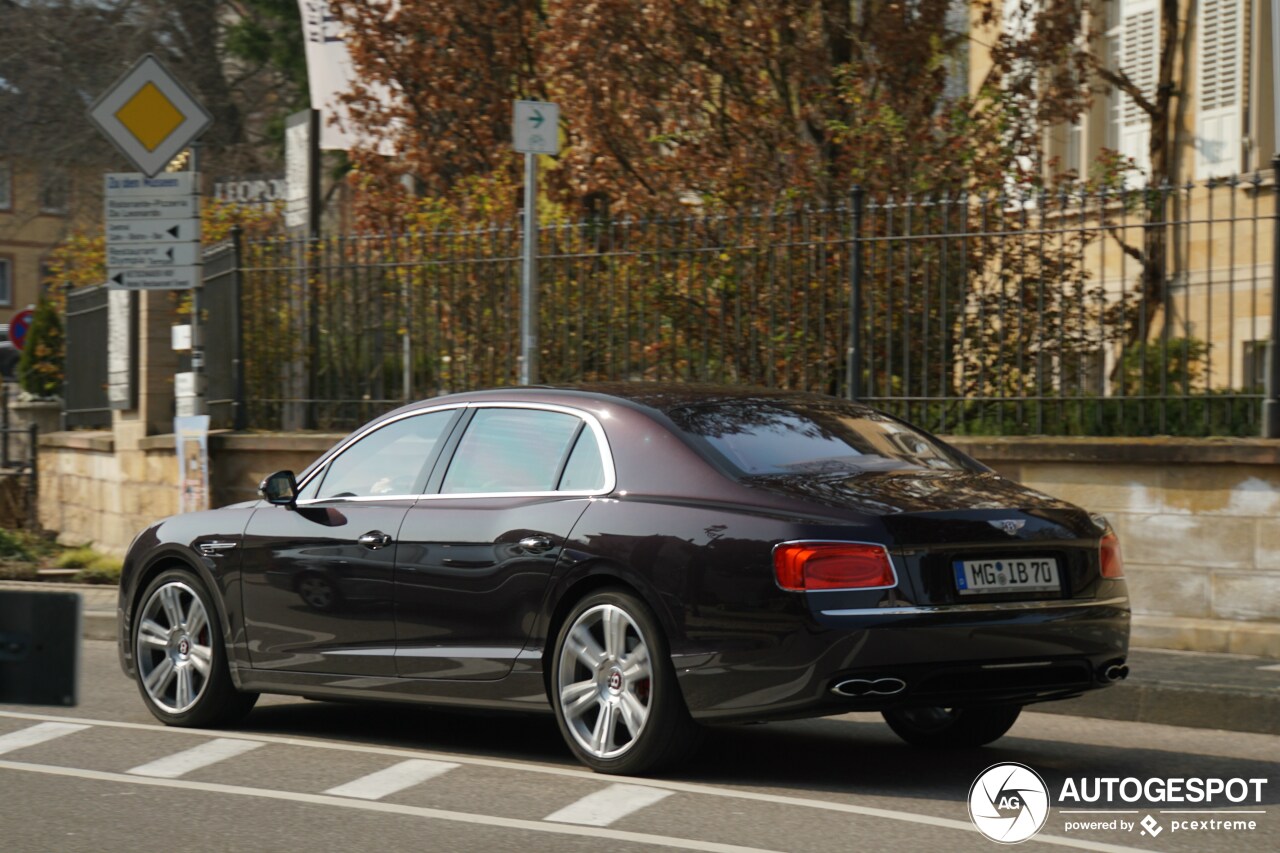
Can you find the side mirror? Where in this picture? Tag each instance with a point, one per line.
(280, 488)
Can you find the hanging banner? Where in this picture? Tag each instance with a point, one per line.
(330, 73)
(191, 441)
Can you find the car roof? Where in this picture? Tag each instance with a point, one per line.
(662, 397)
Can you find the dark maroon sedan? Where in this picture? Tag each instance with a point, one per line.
(638, 559)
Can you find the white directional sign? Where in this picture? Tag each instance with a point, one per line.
(535, 127)
(149, 115)
(151, 255)
(133, 185)
(160, 278)
(166, 207)
(153, 231)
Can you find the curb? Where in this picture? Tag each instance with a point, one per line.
(1176, 705)
(98, 626)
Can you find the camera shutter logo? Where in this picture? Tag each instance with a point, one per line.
(1009, 803)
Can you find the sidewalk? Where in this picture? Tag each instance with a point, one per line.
(1211, 691)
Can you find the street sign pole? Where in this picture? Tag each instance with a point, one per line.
(199, 405)
(529, 276)
(535, 129)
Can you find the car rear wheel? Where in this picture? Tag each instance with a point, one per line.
(614, 690)
(180, 656)
(952, 727)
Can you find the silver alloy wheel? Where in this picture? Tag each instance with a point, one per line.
(173, 647)
(605, 679)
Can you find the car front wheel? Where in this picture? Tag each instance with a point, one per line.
(952, 727)
(180, 656)
(614, 689)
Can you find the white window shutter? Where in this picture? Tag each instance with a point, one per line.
(1218, 89)
(1140, 59)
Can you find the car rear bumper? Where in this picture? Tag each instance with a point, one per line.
(961, 655)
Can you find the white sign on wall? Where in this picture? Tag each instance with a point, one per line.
(330, 74)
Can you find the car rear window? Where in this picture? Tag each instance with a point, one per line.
(764, 437)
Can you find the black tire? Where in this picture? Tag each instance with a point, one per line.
(952, 728)
(180, 655)
(618, 688)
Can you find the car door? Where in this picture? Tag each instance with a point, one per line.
(318, 591)
(476, 553)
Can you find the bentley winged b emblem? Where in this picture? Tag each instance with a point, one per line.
(1008, 525)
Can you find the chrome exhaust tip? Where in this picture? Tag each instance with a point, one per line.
(857, 688)
(1115, 672)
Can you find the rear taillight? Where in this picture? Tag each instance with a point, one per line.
(1109, 559)
(801, 566)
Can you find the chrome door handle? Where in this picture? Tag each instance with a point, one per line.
(535, 544)
(374, 539)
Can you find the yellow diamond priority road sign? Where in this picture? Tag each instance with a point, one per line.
(149, 115)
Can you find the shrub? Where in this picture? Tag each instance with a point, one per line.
(40, 367)
(17, 570)
(77, 558)
(13, 545)
(103, 570)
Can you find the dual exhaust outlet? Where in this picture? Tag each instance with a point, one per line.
(1114, 672)
(859, 687)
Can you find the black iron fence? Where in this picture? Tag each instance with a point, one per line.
(1109, 312)
(221, 298)
(19, 455)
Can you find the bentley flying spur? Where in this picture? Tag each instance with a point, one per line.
(641, 561)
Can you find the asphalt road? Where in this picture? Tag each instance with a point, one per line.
(301, 775)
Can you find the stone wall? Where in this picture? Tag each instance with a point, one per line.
(1197, 518)
(1199, 526)
(101, 488)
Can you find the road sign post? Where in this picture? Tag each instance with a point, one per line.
(153, 219)
(535, 128)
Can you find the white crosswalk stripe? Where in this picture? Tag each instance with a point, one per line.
(33, 735)
(395, 778)
(609, 805)
(182, 763)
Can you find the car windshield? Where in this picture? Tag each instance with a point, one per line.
(761, 437)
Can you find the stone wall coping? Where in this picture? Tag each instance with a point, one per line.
(253, 441)
(1161, 450)
(103, 441)
(99, 441)
(316, 442)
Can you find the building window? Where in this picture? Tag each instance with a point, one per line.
(1255, 365)
(1218, 89)
(55, 192)
(6, 186)
(1133, 37)
(6, 281)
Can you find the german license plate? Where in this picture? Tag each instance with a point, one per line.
(1018, 574)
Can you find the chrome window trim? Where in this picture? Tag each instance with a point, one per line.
(990, 607)
(589, 418)
(892, 566)
(342, 448)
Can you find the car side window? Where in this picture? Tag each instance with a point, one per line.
(585, 469)
(510, 450)
(387, 461)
